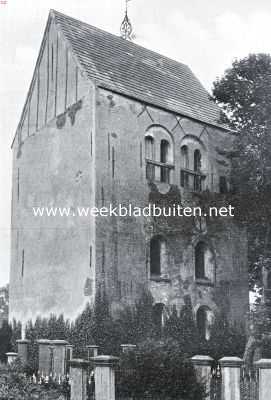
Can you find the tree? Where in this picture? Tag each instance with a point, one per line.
(226, 339)
(104, 329)
(144, 322)
(244, 93)
(182, 328)
(16, 334)
(5, 340)
(81, 332)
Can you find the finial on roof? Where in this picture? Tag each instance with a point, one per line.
(126, 28)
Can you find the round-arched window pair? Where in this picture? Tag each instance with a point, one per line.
(193, 162)
(158, 154)
(185, 158)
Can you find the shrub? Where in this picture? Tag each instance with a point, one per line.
(226, 340)
(182, 328)
(158, 370)
(15, 385)
(134, 325)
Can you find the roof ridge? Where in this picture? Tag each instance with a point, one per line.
(174, 63)
(129, 43)
(197, 100)
(152, 77)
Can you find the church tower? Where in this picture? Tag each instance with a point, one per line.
(108, 122)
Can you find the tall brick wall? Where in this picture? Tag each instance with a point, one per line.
(51, 266)
(122, 261)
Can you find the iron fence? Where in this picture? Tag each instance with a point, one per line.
(90, 389)
(216, 383)
(249, 384)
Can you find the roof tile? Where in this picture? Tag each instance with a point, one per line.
(132, 70)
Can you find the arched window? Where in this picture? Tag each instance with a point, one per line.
(158, 309)
(164, 151)
(204, 319)
(149, 155)
(164, 158)
(194, 163)
(157, 256)
(200, 260)
(149, 147)
(197, 161)
(159, 155)
(184, 157)
(185, 166)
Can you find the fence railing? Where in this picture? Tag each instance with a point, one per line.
(216, 383)
(100, 376)
(249, 384)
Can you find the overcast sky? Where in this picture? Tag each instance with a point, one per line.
(206, 35)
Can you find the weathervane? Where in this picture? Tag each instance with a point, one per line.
(126, 29)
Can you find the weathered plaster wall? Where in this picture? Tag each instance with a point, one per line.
(57, 84)
(122, 261)
(52, 268)
(51, 255)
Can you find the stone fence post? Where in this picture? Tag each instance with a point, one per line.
(68, 357)
(127, 347)
(104, 367)
(92, 350)
(203, 368)
(231, 372)
(53, 356)
(45, 354)
(264, 372)
(11, 357)
(59, 353)
(22, 346)
(78, 378)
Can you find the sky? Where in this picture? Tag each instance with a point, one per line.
(206, 35)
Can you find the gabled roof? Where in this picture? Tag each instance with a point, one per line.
(127, 68)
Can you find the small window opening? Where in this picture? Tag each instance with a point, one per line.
(200, 261)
